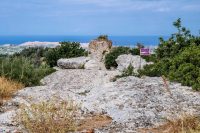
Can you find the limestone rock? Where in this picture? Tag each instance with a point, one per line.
(131, 102)
(73, 63)
(98, 48)
(94, 65)
(136, 61)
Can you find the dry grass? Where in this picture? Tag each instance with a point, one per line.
(49, 117)
(8, 87)
(1, 101)
(182, 124)
(94, 122)
(56, 116)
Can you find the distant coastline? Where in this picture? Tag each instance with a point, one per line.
(12, 44)
(117, 40)
(9, 49)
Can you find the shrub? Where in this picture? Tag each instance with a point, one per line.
(3, 55)
(66, 50)
(112, 56)
(117, 51)
(178, 58)
(32, 52)
(127, 72)
(53, 116)
(158, 69)
(35, 54)
(8, 87)
(103, 38)
(135, 51)
(21, 69)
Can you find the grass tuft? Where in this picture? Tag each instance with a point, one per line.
(185, 123)
(48, 117)
(8, 88)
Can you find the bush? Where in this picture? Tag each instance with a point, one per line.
(53, 116)
(178, 58)
(185, 67)
(117, 51)
(32, 52)
(127, 72)
(21, 69)
(66, 50)
(135, 51)
(103, 38)
(112, 56)
(8, 87)
(35, 54)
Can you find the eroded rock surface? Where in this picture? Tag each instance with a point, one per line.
(98, 49)
(131, 102)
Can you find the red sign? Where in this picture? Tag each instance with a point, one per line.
(145, 51)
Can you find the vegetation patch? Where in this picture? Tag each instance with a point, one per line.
(66, 50)
(58, 116)
(23, 70)
(178, 58)
(53, 116)
(112, 56)
(127, 72)
(103, 38)
(8, 88)
(117, 51)
(182, 124)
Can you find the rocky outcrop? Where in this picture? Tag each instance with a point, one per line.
(136, 61)
(94, 65)
(131, 102)
(98, 49)
(73, 63)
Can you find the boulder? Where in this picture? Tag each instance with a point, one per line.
(73, 63)
(136, 61)
(98, 49)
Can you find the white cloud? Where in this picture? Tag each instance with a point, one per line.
(90, 7)
(191, 7)
(126, 5)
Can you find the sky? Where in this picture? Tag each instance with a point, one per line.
(95, 17)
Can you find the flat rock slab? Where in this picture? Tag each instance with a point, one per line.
(131, 102)
(73, 63)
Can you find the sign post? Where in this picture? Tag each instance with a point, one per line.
(144, 52)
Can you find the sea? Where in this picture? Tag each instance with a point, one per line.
(130, 41)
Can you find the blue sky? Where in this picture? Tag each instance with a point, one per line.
(94, 17)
